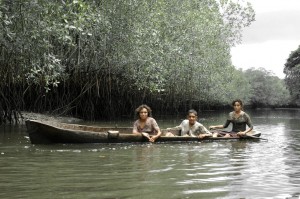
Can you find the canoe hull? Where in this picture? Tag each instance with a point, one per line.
(53, 132)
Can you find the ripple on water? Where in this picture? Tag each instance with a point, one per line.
(196, 170)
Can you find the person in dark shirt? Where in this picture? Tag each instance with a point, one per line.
(239, 119)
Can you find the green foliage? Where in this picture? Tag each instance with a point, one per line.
(266, 89)
(46, 72)
(292, 71)
(120, 53)
(238, 87)
(235, 17)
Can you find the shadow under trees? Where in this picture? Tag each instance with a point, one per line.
(101, 59)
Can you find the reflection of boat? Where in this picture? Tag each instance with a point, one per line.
(55, 132)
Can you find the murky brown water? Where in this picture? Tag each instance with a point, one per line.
(183, 170)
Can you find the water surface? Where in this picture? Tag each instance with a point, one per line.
(235, 169)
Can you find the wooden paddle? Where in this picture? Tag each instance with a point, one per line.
(252, 136)
(247, 135)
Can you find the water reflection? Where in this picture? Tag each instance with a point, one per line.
(267, 167)
(183, 170)
(292, 150)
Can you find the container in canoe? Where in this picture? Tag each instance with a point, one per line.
(41, 132)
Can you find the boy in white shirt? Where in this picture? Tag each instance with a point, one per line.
(190, 127)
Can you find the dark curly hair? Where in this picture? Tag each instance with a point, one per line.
(239, 101)
(138, 110)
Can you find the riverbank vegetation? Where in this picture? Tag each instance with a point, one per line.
(101, 59)
(292, 71)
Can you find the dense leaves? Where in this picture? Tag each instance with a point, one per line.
(266, 90)
(100, 59)
(292, 71)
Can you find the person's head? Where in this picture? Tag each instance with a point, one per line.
(237, 105)
(192, 116)
(143, 111)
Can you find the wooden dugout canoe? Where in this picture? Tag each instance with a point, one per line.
(41, 132)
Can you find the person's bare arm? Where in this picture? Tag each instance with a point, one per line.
(216, 127)
(153, 138)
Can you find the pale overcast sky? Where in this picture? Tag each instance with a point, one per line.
(269, 40)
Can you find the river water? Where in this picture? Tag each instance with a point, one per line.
(231, 169)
